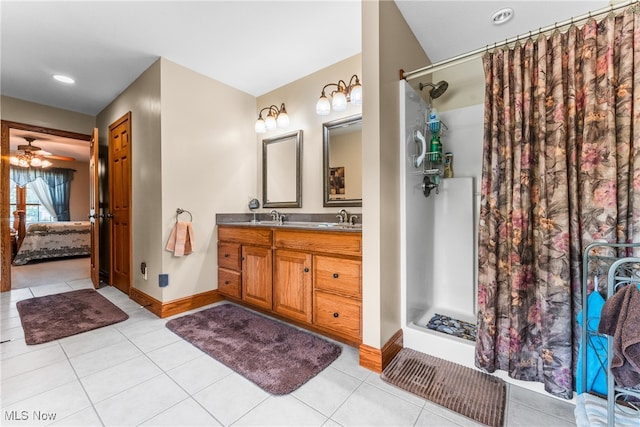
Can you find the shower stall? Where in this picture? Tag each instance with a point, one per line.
(437, 244)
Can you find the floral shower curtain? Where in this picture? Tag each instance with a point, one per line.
(561, 169)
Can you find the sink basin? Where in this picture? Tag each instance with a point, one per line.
(306, 224)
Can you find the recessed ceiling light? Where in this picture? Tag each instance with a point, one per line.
(64, 79)
(501, 16)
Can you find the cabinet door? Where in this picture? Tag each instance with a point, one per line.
(292, 285)
(256, 276)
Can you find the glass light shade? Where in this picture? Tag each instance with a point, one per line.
(339, 101)
(14, 160)
(23, 162)
(260, 127)
(356, 95)
(46, 163)
(270, 122)
(36, 162)
(323, 107)
(283, 120)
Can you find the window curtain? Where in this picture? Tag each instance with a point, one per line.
(44, 195)
(58, 181)
(561, 169)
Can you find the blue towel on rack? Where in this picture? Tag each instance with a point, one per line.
(596, 348)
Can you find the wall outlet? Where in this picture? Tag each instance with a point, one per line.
(143, 269)
(163, 280)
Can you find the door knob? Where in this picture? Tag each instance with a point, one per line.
(110, 215)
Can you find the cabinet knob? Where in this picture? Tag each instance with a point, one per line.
(226, 282)
(336, 314)
(226, 255)
(335, 276)
(306, 269)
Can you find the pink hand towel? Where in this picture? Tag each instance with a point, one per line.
(181, 241)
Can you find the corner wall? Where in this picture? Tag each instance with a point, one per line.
(388, 45)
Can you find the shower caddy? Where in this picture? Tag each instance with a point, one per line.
(610, 274)
(432, 162)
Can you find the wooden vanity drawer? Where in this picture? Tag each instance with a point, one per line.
(229, 256)
(338, 275)
(256, 236)
(338, 314)
(229, 283)
(343, 243)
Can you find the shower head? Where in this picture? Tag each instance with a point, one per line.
(436, 89)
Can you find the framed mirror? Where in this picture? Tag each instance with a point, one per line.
(342, 161)
(281, 171)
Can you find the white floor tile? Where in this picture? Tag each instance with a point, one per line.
(327, 390)
(32, 360)
(111, 381)
(140, 403)
(230, 398)
(371, 406)
(185, 413)
(87, 342)
(45, 408)
(35, 382)
(85, 418)
(53, 288)
(95, 361)
(282, 411)
(199, 373)
(174, 354)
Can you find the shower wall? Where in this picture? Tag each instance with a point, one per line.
(438, 249)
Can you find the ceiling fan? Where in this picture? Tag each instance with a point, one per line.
(31, 156)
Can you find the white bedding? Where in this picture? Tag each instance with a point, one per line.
(47, 240)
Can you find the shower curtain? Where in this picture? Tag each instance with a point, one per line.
(561, 169)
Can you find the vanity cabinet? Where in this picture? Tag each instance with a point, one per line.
(245, 264)
(311, 277)
(292, 285)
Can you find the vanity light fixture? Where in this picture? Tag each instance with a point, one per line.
(340, 97)
(276, 118)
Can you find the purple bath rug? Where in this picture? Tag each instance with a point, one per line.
(275, 356)
(52, 317)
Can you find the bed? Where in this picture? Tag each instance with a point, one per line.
(50, 240)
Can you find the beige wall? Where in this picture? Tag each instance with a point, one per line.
(300, 99)
(388, 45)
(17, 110)
(208, 167)
(20, 111)
(142, 98)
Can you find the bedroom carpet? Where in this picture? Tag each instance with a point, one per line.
(57, 316)
(466, 391)
(275, 356)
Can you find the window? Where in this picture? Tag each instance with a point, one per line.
(25, 199)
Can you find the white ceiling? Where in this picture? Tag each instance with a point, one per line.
(254, 46)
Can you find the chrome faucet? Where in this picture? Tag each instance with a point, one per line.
(281, 219)
(343, 216)
(275, 215)
(352, 219)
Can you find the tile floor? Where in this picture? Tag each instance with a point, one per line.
(139, 373)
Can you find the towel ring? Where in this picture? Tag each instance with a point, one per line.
(181, 211)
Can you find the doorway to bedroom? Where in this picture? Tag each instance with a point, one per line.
(62, 152)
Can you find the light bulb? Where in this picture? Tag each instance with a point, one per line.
(283, 120)
(339, 102)
(323, 107)
(270, 122)
(356, 95)
(36, 162)
(260, 127)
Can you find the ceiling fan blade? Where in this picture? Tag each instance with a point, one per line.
(42, 153)
(28, 148)
(54, 157)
